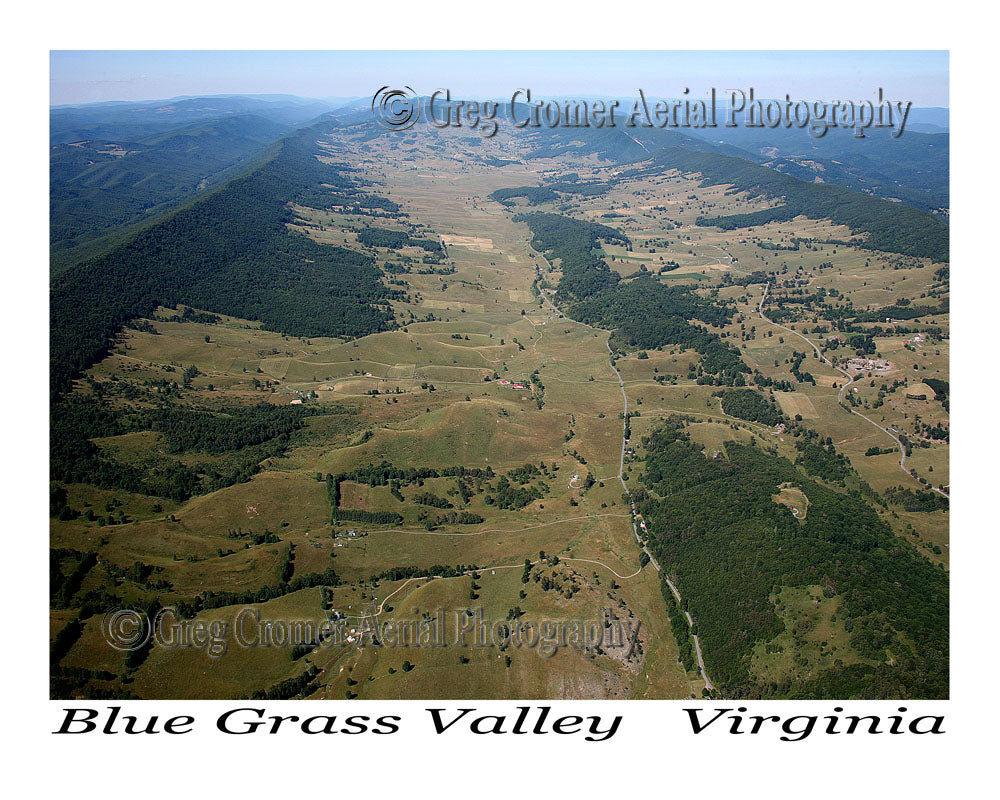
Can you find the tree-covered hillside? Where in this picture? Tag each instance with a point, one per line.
(98, 185)
(229, 252)
(644, 313)
(573, 242)
(887, 226)
(730, 548)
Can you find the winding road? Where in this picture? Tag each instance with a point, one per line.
(840, 394)
(621, 478)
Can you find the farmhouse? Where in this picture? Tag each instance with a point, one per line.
(869, 364)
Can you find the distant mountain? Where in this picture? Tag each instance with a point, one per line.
(133, 120)
(621, 144)
(892, 227)
(104, 183)
(912, 169)
(939, 117)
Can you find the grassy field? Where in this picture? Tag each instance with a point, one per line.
(814, 637)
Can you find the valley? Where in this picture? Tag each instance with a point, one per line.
(470, 375)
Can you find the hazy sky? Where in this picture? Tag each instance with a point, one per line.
(92, 76)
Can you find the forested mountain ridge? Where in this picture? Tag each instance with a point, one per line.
(912, 168)
(130, 120)
(905, 227)
(228, 252)
(97, 186)
(615, 144)
(888, 226)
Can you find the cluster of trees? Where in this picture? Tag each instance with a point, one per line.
(64, 584)
(431, 499)
(347, 197)
(941, 390)
(583, 188)
(394, 240)
(679, 626)
(440, 570)
(246, 435)
(821, 459)
(750, 405)
(796, 369)
(190, 315)
(862, 343)
(385, 474)
(457, 518)
(211, 599)
(573, 242)
(728, 547)
(536, 195)
(371, 517)
(139, 573)
(764, 381)
(511, 497)
(904, 311)
(187, 430)
(916, 500)
(524, 473)
(267, 537)
(644, 313)
(533, 194)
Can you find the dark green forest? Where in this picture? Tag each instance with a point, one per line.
(640, 312)
(644, 313)
(246, 435)
(574, 242)
(394, 240)
(728, 546)
(750, 405)
(533, 194)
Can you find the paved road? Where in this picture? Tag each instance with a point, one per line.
(840, 395)
(621, 478)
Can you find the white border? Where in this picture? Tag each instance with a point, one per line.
(653, 747)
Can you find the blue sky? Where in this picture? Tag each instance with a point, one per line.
(92, 76)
